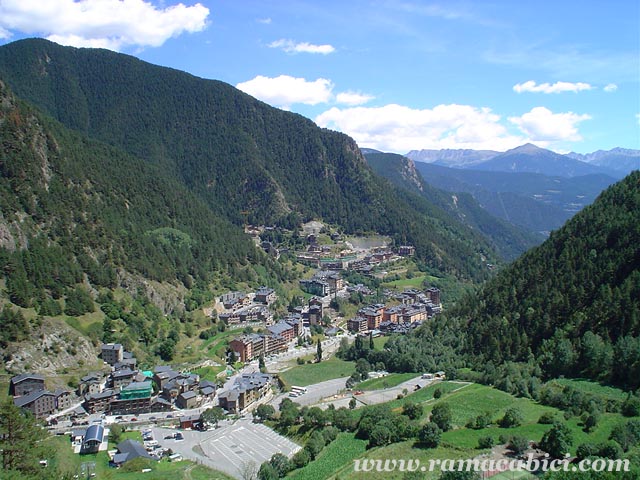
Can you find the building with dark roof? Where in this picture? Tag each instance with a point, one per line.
(25, 383)
(41, 403)
(246, 390)
(89, 384)
(128, 450)
(283, 329)
(265, 295)
(189, 421)
(249, 346)
(186, 400)
(163, 377)
(357, 325)
(121, 378)
(64, 399)
(112, 353)
(92, 439)
(99, 402)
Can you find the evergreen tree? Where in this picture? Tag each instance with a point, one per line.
(20, 440)
(557, 441)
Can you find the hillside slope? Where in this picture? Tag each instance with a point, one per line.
(574, 301)
(233, 152)
(73, 207)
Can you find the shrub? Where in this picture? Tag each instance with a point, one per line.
(441, 416)
(512, 418)
(631, 407)
(486, 442)
(518, 444)
(430, 435)
(547, 418)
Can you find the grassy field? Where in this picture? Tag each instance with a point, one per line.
(338, 455)
(380, 342)
(405, 450)
(68, 461)
(209, 373)
(593, 388)
(415, 282)
(308, 374)
(476, 399)
(466, 401)
(390, 380)
(216, 346)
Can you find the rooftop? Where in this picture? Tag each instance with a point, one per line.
(31, 397)
(94, 433)
(24, 376)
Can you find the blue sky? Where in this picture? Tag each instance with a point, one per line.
(395, 75)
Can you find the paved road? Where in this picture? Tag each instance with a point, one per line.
(229, 447)
(316, 393)
(377, 396)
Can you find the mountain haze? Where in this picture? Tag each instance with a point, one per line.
(510, 241)
(622, 160)
(539, 203)
(531, 159)
(458, 158)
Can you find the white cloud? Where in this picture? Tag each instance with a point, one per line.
(111, 24)
(291, 46)
(399, 128)
(541, 124)
(558, 87)
(265, 21)
(638, 118)
(285, 90)
(610, 87)
(353, 98)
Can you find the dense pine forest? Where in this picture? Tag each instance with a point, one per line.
(234, 153)
(574, 301)
(569, 307)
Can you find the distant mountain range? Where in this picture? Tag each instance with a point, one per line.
(619, 159)
(508, 239)
(451, 157)
(537, 202)
(528, 158)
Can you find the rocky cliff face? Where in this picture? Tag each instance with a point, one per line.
(54, 348)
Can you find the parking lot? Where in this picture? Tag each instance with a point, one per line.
(230, 446)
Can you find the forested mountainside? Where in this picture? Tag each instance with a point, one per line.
(574, 301)
(534, 201)
(73, 206)
(234, 153)
(509, 240)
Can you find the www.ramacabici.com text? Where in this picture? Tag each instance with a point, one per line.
(530, 464)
